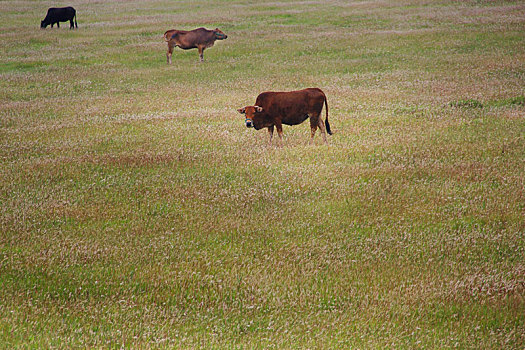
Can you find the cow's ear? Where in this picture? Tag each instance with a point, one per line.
(258, 109)
(241, 110)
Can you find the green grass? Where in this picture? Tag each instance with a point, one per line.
(137, 210)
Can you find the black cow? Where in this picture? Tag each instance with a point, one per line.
(60, 14)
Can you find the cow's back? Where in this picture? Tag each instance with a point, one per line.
(291, 107)
(193, 38)
(61, 12)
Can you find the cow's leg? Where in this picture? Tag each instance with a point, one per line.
(279, 127)
(168, 54)
(58, 24)
(52, 24)
(201, 53)
(71, 24)
(270, 132)
(322, 127)
(313, 128)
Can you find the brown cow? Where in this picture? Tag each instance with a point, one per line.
(290, 108)
(200, 38)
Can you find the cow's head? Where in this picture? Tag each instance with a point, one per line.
(219, 35)
(252, 114)
(43, 24)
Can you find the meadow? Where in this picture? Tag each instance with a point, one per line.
(137, 210)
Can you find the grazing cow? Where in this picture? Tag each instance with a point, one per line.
(199, 38)
(60, 14)
(290, 108)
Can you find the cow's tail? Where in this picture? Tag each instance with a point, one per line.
(326, 123)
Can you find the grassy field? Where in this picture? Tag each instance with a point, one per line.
(137, 210)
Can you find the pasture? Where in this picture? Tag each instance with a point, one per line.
(137, 210)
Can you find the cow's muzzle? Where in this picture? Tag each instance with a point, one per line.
(249, 123)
